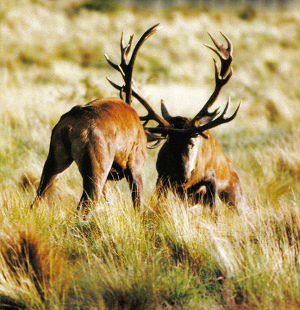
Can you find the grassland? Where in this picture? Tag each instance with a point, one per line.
(51, 58)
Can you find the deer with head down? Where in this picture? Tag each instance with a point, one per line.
(104, 137)
(191, 162)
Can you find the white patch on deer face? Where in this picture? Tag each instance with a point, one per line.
(191, 156)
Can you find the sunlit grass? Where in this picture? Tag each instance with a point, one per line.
(176, 257)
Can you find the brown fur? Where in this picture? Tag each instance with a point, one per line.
(212, 176)
(106, 140)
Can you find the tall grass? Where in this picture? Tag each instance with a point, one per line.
(174, 256)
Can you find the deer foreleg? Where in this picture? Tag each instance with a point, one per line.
(94, 175)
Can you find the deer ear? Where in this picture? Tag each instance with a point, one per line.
(164, 112)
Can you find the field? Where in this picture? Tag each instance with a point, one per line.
(171, 257)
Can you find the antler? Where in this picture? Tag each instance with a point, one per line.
(221, 119)
(225, 55)
(205, 119)
(126, 68)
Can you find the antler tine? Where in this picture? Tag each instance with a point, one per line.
(123, 69)
(222, 119)
(220, 47)
(126, 68)
(151, 113)
(125, 49)
(229, 43)
(118, 87)
(143, 38)
(152, 138)
(221, 77)
(122, 47)
(160, 140)
(225, 54)
(115, 66)
(129, 68)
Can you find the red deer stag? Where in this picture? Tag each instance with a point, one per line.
(191, 162)
(104, 137)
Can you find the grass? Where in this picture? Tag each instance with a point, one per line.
(172, 257)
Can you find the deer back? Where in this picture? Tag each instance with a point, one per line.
(110, 126)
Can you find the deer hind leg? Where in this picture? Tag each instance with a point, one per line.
(136, 187)
(94, 169)
(133, 175)
(57, 161)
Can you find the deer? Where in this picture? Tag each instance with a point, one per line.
(191, 162)
(105, 138)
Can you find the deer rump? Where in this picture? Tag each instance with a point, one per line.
(106, 140)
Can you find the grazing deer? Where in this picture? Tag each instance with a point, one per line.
(104, 137)
(191, 162)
